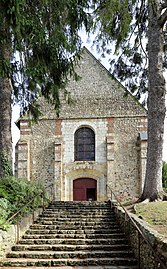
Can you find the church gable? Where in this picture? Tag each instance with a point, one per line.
(97, 93)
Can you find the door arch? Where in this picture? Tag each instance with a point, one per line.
(85, 189)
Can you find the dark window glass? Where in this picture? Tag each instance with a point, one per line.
(84, 142)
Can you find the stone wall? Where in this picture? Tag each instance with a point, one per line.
(14, 233)
(43, 151)
(157, 241)
(123, 166)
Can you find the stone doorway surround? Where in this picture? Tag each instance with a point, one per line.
(100, 179)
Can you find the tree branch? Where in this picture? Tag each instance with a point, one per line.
(163, 18)
(164, 5)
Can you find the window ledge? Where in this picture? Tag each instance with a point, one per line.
(80, 162)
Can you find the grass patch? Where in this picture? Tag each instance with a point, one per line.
(155, 213)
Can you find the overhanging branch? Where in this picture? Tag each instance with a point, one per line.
(164, 5)
(163, 18)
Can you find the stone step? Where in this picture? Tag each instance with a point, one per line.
(90, 210)
(53, 221)
(72, 226)
(85, 210)
(75, 241)
(68, 262)
(59, 247)
(80, 204)
(52, 229)
(74, 217)
(77, 217)
(78, 267)
(79, 207)
(69, 254)
(71, 230)
(85, 218)
(70, 235)
(74, 206)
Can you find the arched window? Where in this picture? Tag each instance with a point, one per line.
(84, 142)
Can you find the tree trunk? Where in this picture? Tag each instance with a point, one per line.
(5, 121)
(156, 105)
(5, 98)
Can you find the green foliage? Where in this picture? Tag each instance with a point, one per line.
(15, 193)
(164, 175)
(123, 26)
(114, 18)
(6, 165)
(43, 40)
(6, 208)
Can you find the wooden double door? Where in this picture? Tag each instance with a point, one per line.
(84, 189)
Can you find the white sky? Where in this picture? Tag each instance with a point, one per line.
(15, 114)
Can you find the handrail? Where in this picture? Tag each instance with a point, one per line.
(17, 212)
(139, 231)
(24, 206)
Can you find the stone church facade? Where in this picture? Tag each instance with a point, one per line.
(99, 139)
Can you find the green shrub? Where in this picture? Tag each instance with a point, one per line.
(15, 193)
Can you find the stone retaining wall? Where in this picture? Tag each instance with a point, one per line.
(10, 237)
(158, 241)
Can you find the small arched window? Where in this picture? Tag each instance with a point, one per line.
(84, 142)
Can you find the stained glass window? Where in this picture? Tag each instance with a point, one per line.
(84, 141)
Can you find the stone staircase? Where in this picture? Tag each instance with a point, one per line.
(73, 235)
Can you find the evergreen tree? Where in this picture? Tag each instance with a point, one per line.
(38, 42)
(125, 23)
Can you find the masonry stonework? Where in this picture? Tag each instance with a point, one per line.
(98, 103)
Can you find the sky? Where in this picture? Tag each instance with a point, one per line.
(15, 114)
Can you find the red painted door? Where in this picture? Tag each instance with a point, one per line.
(84, 189)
